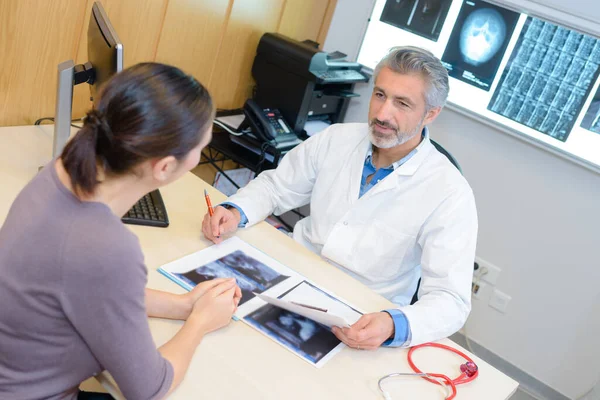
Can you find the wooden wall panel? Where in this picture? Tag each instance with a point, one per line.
(191, 35)
(232, 82)
(138, 24)
(326, 22)
(35, 36)
(215, 40)
(302, 19)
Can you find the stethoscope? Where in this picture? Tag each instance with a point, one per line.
(469, 372)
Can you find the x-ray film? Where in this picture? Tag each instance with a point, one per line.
(591, 120)
(421, 17)
(547, 79)
(478, 42)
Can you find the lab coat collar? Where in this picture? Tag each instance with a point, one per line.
(407, 169)
(423, 149)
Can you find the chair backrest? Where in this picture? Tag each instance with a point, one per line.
(451, 158)
(446, 153)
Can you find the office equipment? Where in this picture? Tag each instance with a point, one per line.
(268, 125)
(220, 366)
(302, 82)
(268, 290)
(105, 54)
(149, 210)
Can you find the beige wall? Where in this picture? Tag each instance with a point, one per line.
(214, 40)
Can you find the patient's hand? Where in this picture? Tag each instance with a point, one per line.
(223, 222)
(368, 333)
(202, 288)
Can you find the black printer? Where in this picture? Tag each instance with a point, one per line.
(303, 82)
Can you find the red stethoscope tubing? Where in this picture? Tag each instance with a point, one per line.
(460, 380)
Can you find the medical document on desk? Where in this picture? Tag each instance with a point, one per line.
(262, 279)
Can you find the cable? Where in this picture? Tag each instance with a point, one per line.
(39, 121)
(263, 155)
(227, 128)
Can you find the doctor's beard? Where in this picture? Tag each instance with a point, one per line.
(389, 141)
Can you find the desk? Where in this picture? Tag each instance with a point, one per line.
(238, 362)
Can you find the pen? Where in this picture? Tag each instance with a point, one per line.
(311, 307)
(211, 211)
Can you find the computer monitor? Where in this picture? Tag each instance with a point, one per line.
(105, 55)
(105, 50)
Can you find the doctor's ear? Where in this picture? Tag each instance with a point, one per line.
(163, 168)
(431, 115)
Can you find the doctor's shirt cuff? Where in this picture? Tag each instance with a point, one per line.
(244, 218)
(401, 329)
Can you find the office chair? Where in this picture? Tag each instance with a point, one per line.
(457, 165)
(447, 154)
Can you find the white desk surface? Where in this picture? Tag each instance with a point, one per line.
(238, 362)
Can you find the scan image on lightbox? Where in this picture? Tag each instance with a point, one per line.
(591, 120)
(421, 17)
(478, 41)
(547, 79)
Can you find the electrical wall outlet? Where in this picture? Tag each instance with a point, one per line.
(477, 288)
(492, 272)
(499, 301)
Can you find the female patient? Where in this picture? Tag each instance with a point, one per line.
(72, 277)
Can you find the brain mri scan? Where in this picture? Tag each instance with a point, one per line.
(482, 35)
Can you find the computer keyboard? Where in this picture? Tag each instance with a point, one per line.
(149, 210)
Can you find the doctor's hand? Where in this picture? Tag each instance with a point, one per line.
(368, 333)
(223, 222)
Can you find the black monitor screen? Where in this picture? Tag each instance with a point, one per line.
(105, 51)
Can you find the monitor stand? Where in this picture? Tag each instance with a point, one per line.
(69, 75)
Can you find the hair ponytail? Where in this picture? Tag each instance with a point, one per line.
(79, 156)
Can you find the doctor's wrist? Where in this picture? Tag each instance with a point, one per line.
(391, 328)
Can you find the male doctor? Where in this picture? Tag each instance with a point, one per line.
(386, 207)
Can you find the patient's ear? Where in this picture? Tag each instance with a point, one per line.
(163, 168)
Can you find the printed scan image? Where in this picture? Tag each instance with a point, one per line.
(304, 336)
(251, 275)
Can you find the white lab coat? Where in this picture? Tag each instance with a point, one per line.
(418, 221)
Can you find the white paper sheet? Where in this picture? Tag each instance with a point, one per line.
(322, 317)
(314, 127)
(258, 273)
(233, 121)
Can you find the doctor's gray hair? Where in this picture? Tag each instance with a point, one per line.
(414, 60)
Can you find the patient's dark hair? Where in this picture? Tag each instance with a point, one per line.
(147, 111)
